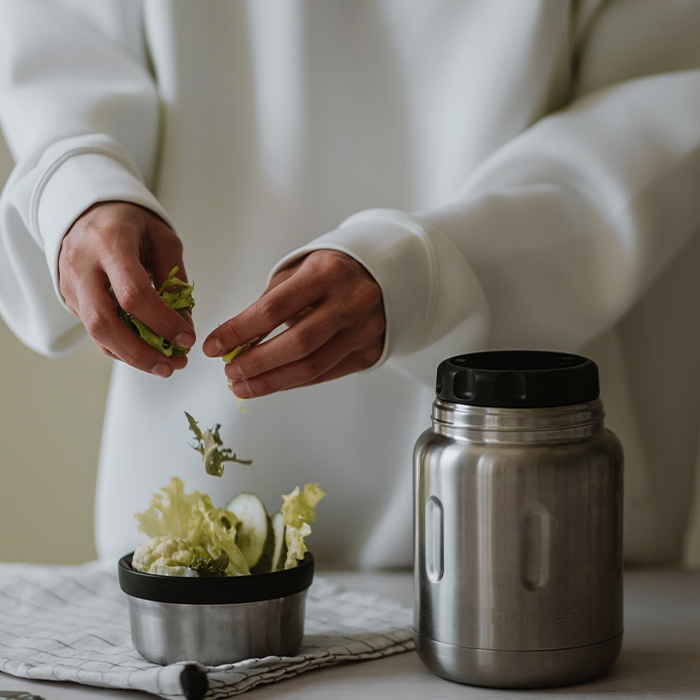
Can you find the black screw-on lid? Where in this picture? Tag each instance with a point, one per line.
(517, 379)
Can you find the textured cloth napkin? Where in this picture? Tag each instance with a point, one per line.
(70, 623)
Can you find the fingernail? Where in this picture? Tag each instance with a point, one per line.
(213, 347)
(185, 340)
(162, 369)
(235, 369)
(242, 390)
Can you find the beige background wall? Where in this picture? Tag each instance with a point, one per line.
(50, 424)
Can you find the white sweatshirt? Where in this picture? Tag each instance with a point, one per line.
(514, 173)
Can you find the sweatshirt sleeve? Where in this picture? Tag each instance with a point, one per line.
(558, 232)
(79, 111)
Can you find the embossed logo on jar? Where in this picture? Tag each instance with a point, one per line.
(532, 617)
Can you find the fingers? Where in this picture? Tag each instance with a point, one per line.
(115, 338)
(275, 308)
(345, 353)
(115, 253)
(112, 255)
(132, 288)
(336, 317)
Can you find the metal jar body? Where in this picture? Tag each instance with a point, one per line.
(518, 544)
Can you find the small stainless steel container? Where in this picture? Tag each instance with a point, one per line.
(518, 523)
(216, 620)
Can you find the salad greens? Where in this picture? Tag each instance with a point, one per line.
(228, 357)
(191, 537)
(211, 447)
(297, 514)
(177, 295)
(200, 528)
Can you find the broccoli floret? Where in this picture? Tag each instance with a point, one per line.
(208, 567)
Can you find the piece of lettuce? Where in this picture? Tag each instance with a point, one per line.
(190, 537)
(210, 445)
(228, 357)
(298, 513)
(192, 518)
(177, 295)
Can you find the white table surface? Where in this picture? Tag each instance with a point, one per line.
(660, 656)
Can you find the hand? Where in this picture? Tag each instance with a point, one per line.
(125, 248)
(335, 317)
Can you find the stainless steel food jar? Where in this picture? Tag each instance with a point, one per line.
(518, 523)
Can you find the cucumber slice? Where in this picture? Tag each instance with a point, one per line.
(255, 537)
(279, 550)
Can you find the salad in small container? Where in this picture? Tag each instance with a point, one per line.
(218, 585)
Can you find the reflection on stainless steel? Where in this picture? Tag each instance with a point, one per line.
(216, 634)
(216, 620)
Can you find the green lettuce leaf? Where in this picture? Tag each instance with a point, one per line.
(298, 511)
(177, 295)
(228, 357)
(210, 446)
(218, 526)
(193, 518)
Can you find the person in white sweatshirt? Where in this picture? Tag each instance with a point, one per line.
(390, 182)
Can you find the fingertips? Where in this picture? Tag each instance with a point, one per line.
(185, 339)
(227, 337)
(212, 346)
(162, 370)
(241, 389)
(179, 362)
(146, 305)
(234, 371)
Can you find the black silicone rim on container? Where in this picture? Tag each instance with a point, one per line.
(215, 591)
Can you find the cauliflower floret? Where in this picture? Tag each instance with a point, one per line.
(172, 556)
(183, 571)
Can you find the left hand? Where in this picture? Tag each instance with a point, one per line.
(335, 316)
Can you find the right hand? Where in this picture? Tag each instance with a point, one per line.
(128, 249)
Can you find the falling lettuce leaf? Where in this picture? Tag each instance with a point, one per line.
(210, 445)
(177, 295)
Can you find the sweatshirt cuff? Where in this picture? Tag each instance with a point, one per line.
(428, 289)
(75, 181)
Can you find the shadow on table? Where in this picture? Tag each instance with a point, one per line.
(644, 673)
